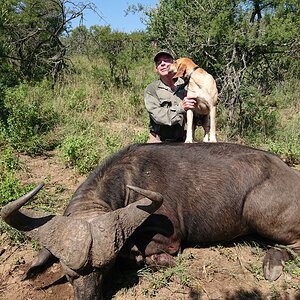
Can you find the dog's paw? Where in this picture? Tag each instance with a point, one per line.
(188, 141)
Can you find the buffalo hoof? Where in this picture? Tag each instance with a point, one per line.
(273, 263)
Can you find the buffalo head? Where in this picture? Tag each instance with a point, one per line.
(86, 249)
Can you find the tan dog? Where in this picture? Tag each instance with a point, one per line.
(202, 86)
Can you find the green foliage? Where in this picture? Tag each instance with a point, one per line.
(80, 41)
(29, 117)
(119, 49)
(84, 150)
(30, 33)
(141, 137)
(292, 266)
(79, 152)
(76, 101)
(101, 75)
(15, 237)
(284, 139)
(245, 45)
(258, 120)
(10, 185)
(164, 277)
(288, 150)
(10, 189)
(193, 28)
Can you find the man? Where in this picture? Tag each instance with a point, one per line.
(166, 103)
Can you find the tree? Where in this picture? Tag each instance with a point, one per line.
(31, 47)
(80, 41)
(119, 49)
(254, 42)
(31, 35)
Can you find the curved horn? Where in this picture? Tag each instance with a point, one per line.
(20, 220)
(66, 238)
(133, 215)
(114, 228)
(156, 198)
(14, 206)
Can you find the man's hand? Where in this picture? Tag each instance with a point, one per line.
(189, 103)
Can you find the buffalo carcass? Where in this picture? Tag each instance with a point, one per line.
(153, 197)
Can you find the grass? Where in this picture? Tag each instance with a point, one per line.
(235, 271)
(11, 235)
(165, 277)
(292, 267)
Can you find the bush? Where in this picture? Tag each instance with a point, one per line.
(258, 121)
(85, 150)
(285, 140)
(79, 151)
(10, 185)
(10, 189)
(289, 151)
(30, 117)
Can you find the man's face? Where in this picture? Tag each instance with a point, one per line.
(162, 64)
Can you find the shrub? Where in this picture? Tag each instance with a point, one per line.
(289, 151)
(30, 118)
(79, 151)
(85, 150)
(10, 185)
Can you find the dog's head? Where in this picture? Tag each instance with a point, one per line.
(181, 67)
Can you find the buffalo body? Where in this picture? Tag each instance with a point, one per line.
(150, 199)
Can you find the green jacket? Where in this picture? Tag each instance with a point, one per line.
(165, 110)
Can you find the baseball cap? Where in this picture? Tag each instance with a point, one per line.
(161, 52)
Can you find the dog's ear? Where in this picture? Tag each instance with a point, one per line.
(181, 70)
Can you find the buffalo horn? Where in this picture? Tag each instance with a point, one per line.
(156, 198)
(133, 215)
(11, 215)
(118, 225)
(66, 238)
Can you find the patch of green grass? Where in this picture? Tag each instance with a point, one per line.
(30, 118)
(288, 150)
(15, 237)
(255, 269)
(292, 267)
(10, 186)
(163, 277)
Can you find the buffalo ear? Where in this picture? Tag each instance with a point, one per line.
(181, 70)
(66, 238)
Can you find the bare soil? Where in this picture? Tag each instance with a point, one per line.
(219, 272)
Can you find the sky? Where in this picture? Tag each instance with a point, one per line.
(113, 14)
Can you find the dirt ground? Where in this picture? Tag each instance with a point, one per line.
(219, 272)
